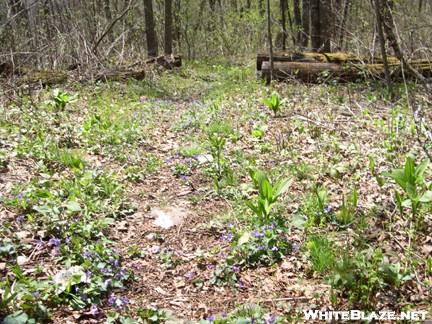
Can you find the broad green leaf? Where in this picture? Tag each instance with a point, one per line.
(427, 197)
(73, 206)
(282, 186)
(244, 238)
(421, 169)
(18, 317)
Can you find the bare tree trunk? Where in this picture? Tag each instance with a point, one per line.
(315, 24)
(108, 17)
(269, 35)
(382, 43)
(343, 22)
(152, 44)
(168, 27)
(283, 9)
(297, 20)
(321, 16)
(290, 21)
(177, 24)
(261, 8)
(305, 23)
(326, 24)
(389, 28)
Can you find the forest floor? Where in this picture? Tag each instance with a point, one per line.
(92, 176)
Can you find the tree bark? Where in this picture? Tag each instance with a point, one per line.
(283, 9)
(297, 20)
(382, 43)
(168, 27)
(305, 32)
(152, 43)
(321, 19)
(315, 24)
(388, 25)
(343, 22)
(269, 36)
(108, 17)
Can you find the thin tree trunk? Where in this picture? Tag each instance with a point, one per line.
(261, 8)
(326, 24)
(305, 23)
(297, 20)
(343, 22)
(382, 44)
(283, 9)
(108, 17)
(389, 28)
(315, 24)
(269, 36)
(152, 44)
(290, 21)
(168, 27)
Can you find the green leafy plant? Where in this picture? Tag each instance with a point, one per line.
(268, 194)
(321, 253)
(345, 216)
(373, 171)
(274, 103)
(217, 144)
(59, 99)
(361, 276)
(415, 192)
(149, 315)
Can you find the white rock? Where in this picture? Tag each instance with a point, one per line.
(168, 217)
(204, 158)
(21, 260)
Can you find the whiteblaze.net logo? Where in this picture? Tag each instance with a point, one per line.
(364, 316)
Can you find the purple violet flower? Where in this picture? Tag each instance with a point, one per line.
(211, 318)
(271, 319)
(258, 234)
(111, 300)
(108, 283)
(39, 244)
(241, 284)
(94, 310)
(54, 241)
(21, 218)
(37, 294)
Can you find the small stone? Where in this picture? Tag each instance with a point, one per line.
(2, 266)
(21, 235)
(151, 237)
(203, 158)
(155, 249)
(168, 217)
(21, 260)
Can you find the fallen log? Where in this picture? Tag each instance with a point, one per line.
(120, 75)
(315, 72)
(314, 57)
(28, 76)
(167, 61)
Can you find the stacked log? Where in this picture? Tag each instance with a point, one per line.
(315, 67)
